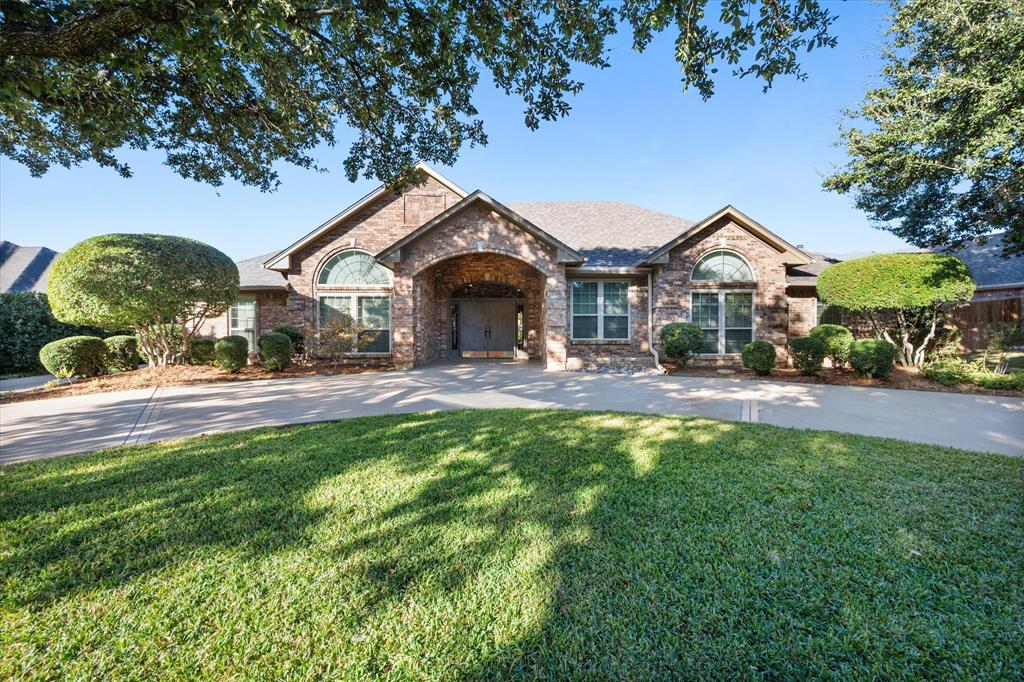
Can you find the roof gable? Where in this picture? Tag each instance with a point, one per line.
(566, 254)
(791, 254)
(282, 259)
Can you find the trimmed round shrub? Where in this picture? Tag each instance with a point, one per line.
(26, 325)
(837, 340)
(122, 353)
(231, 353)
(298, 339)
(759, 356)
(681, 341)
(75, 356)
(872, 357)
(808, 354)
(200, 351)
(275, 350)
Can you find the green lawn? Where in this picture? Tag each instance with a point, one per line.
(511, 544)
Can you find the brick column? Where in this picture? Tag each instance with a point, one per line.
(403, 331)
(556, 320)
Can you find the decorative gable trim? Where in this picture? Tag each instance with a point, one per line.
(282, 260)
(791, 254)
(565, 253)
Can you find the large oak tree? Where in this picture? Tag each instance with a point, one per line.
(228, 88)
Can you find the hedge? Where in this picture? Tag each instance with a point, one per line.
(275, 350)
(75, 356)
(759, 356)
(681, 341)
(231, 353)
(298, 339)
(896, 280)
(872, 357)
(26, 325)
(837, 340)
(200, 351)
(122, 353)
(808, 354)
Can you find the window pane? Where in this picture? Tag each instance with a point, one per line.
(722, 266)
(374, 341)
(710, 342)
(616, 326)
(735, 339)
(373, 312)
(616, 298)
(584, 298)
(705, 310)
(738, 310)
(584, 326)
(829, 314)
(243, 321)
(332, 306)
(354, 268)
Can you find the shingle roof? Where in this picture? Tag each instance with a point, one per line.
(807, 274)
(608, 233)
(24, 268)
(252, 274)
(987, 265)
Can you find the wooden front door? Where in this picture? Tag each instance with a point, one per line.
(487, 328)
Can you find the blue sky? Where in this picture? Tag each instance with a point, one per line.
(632, 136)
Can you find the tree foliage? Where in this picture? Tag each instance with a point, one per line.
(26, 325)
(937, 150)
(903, 295)
(162, 287)
(226, 89)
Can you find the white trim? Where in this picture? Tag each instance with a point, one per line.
(721, 329)
(354, 310)
(753, 273)
(991, 287)
(600, 338)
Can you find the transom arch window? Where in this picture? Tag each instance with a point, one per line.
(722, 265)
(353, 268)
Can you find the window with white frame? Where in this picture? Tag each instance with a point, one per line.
(827, 314)
(726, 318)
(353, 268)
(371, 311)
(600, 310)
(722, 265)
(243, 320)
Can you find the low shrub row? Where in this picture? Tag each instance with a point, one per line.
(953, 371)
(90, 356)
(231, 353)
(26, 325)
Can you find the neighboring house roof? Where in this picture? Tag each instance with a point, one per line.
(24, 268)
(806, 274)
(987, 265)
(607, 233)
(565, 253)
(792, 254)
(281, 259)
(253, 276)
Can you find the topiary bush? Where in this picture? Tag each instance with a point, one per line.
(200, 351)
(837, 340)
(26, 325)
(75, 356)
(275, 350)
(759, 356)
(681, 341)
(808, 354)
(231, 353)
(122, 353)
(298, 339)
(872, 357)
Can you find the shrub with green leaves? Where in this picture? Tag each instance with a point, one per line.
(200, 351)
(953, 371)
(759, 356)
(75, 356)
(298, 339)
(681, 341)
(122, 353)
(26, 325)
(872, 357)
(808, 353)
(275, 350)
(837, 340)
(231, 353)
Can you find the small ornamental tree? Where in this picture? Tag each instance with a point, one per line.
(903, 296)
(144, 282)
(681, 341)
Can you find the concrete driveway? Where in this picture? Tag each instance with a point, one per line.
(47, 428)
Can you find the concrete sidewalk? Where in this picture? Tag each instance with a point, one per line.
(47, 428)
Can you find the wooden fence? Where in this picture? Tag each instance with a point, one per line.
(973, 320)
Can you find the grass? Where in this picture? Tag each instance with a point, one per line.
(514, 544)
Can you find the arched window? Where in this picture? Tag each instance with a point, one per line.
(722, 266)
(354, 268)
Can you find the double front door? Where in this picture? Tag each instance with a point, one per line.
(487, 328)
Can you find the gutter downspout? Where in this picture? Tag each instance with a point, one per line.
(650, 323)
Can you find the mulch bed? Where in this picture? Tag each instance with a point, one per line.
(901, 378)
(177, 375)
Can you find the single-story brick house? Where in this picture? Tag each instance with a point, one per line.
(437, 272)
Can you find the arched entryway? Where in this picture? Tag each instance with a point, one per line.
(487, 320)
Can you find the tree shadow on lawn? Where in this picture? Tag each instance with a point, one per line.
(544, 544)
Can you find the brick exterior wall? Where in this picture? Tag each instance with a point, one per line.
(803, 310)
(271, 311)
(672, 285)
